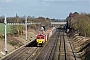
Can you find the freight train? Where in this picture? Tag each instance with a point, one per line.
(40, 39)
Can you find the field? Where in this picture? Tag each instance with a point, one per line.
(2, 28)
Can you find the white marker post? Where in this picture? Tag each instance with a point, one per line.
(26, 27)
(42, 29)
(5, 22)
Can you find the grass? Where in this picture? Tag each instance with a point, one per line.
(2, 28)
(13, 43)
(1, 37)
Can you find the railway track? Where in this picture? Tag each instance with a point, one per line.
(54, 49)
(62, 51)
(62, 47)
(46, 53)
(23, 53)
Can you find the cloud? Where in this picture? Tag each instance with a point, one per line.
(6, 1)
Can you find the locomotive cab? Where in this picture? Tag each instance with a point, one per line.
(40, 39)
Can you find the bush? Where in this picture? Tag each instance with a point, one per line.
(80, 23)
(13, 43)
(1, 37)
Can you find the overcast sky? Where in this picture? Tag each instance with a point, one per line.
(47, 8)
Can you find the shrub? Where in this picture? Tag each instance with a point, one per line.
(13, 43)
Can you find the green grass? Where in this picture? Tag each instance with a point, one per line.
(13, 43)
(2, 28)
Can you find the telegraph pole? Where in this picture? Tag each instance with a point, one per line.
(26, 26)
(5, 22)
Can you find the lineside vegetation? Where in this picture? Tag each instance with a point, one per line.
(80, 23)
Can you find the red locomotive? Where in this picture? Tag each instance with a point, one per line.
(40, 39)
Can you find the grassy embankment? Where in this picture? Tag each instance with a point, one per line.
(9, 30)
(2, 29)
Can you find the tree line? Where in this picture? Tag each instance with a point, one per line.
(79, 22)
(18, 29)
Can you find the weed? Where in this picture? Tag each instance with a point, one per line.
(13, 43)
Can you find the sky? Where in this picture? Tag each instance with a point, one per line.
(58, 9)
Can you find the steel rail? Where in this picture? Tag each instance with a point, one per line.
(64, 47)
(20, 53)
(47, 50)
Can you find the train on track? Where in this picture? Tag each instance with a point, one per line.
(40, 39)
